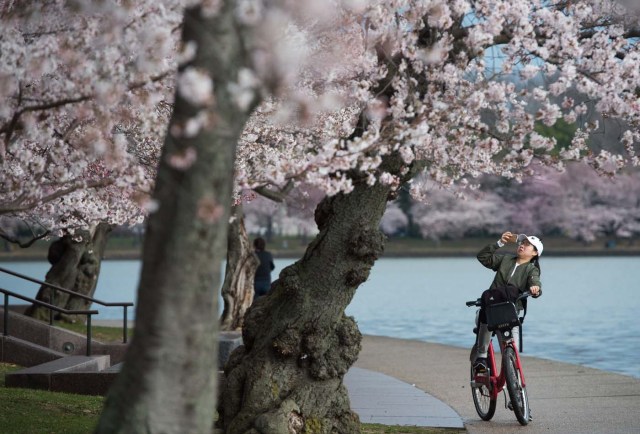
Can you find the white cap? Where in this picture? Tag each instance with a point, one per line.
(535, 241)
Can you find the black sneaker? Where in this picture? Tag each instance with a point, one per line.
(480, 365)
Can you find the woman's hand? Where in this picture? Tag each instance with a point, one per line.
(508, 237)
(535, 290)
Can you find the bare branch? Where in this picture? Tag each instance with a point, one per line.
(23, 244)
(275, 195)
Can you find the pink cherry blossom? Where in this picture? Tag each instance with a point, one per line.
(454, 87)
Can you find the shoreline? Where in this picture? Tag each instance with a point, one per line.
(126, 256)
(117, 323)
(127, 248)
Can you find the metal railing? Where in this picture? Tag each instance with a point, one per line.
(51, 306)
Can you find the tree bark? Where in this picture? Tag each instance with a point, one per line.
(75, 265)
(88, 273)
(298, 342)
(242, 262)
(167, 384)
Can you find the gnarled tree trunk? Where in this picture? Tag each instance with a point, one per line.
(242, 262)
(167, 383)
(298, 342)
(88, 272)
(75, 265)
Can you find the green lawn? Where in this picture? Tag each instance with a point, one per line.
(99, 333)
(26, 411)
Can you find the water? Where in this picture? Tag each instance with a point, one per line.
(587, 315)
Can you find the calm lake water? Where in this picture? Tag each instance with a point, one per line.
(588, 314)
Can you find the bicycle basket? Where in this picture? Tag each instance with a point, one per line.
(502, 316)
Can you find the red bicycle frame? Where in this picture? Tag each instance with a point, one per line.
(496, 383)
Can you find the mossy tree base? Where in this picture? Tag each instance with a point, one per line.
(298, 342)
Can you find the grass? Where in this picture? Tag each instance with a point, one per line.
(28, 411)
(99, 333)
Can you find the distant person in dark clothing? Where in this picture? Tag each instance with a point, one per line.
(262, 280)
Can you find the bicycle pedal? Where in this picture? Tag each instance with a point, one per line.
(482, 377)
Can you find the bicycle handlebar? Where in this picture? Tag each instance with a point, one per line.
(477, 301)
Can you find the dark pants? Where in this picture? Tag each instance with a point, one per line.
(261, 288)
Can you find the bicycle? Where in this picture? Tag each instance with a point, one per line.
(485, 387)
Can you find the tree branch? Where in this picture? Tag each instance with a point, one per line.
(22, 244)
(10, 127)
(16, 206)
(66, 101)
(592, 31)
(275, 195)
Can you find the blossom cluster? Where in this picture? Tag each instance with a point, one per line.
(86, 96)
(424, 74)
(457, 88)
(576, 203)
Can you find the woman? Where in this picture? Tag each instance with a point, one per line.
(522, 271)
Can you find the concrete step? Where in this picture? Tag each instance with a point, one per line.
(72, 374)
(69, 364)
(62, 342)
(56, 371)
(24, 353)
(114, 368)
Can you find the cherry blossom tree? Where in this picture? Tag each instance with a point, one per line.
(289, 215)
(445, 215)
(357, 99)
(242, 262)
(264, 216)
(264, 211)
(417, 101)
(168, 380)
(85, 108)
(216, 92)
(85, 105)
(579, 204)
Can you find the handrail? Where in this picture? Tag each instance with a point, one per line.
(8, 293)
(124, 305)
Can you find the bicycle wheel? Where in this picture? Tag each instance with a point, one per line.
(485, 406)
(517, 392)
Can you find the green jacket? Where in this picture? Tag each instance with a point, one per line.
(525, 276)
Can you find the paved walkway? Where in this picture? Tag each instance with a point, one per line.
(564, 398)
(405, 382)
(379, 398)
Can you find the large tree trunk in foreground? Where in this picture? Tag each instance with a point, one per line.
(298, 342)
(242, 262)
(75, 265)
(167, 384)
